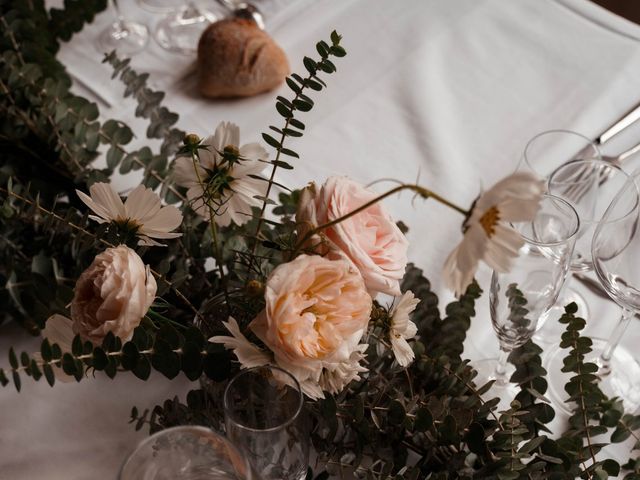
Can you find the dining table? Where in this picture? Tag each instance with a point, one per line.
(442, 93)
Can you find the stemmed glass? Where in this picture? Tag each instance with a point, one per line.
(543, 154)
(615, 250)
(263, 410)
(124, 36)
(590, 186)
(180, 30)
(188, 453)
(519, 298)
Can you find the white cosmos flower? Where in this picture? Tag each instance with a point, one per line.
(249, 355)
(233, 203)
(336, 376)
(403, 329)
(488, 235)
(142, 210)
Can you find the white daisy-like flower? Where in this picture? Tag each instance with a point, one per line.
(403, 329)
(488, 235)
(234, 200)
(249, 355)
(336, 376)
(141, 211)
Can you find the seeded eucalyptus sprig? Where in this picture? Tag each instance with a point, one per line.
(293, 127)
(165, 349)
(584, 392)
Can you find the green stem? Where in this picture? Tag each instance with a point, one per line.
(212, 224)
(423, 192)
(158, 316)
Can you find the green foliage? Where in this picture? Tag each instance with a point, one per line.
(428, 420)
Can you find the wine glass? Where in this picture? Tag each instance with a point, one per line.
(181, 29)
(590, 186)
(263, 410)
(520, 297)
(542, 155)
(124, 36)
(185, 452)
(615, 250)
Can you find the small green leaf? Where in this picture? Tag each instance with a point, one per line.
(620, 434)
(281, 164)
(293, 85)
(338, 51)
(397, 413)
(283, 110)
(294, 122)
(302, 105)
(48, 374)
(76, 346)
(16, 380)
(13, 360)
(611, 467)
(100, 359)
(291, 153)
(271, 141)
(310, 65)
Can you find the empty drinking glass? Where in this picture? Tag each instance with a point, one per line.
(615, 251)
(542, 155)
(124, 36)
(263, 408)
(519, 298)
(185, 453)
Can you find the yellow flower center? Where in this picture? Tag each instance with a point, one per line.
(489, 220)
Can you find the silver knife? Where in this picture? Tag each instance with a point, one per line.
(627, 119)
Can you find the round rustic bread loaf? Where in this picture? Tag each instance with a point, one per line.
(237, 59)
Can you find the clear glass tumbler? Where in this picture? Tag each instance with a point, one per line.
(263, 409)
(186, 453)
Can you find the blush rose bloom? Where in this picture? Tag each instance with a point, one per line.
(370, 240)
(112, 295)
(316, 312)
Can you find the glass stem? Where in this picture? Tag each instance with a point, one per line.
(614, 340)
(500, 372)
(119, 17)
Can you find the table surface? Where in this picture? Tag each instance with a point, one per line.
(446, 92)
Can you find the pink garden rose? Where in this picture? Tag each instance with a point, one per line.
(370, 240)
(316, 312)
(112, 295)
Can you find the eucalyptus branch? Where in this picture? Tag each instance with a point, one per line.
(473, 390)
(101, 132)
(83, 230)
(287, 108)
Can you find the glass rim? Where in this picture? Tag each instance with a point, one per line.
(557, 130)
(600, 273)
(604, 163)
(558, 242)
(175, 429)
(289, 421)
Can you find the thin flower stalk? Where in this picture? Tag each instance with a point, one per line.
(423, 192)
(214, 231)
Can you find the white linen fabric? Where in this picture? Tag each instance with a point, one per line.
(444, 92)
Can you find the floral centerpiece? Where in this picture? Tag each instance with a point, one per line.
(201, 271)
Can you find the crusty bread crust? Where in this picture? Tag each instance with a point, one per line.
(237, 59)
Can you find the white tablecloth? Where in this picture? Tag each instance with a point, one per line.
(444, 91)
